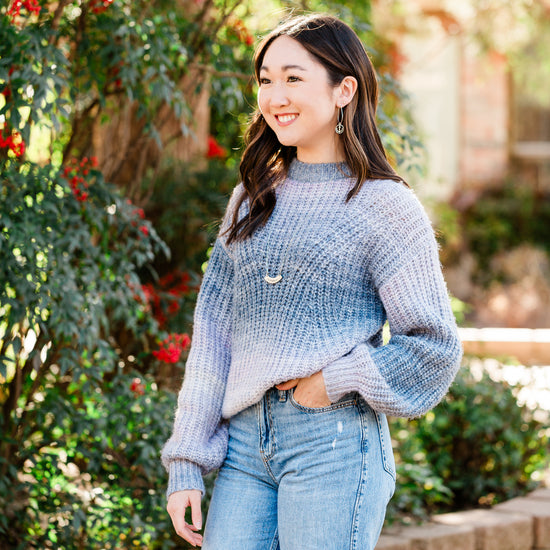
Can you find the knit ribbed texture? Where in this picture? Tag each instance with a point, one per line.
(346, 268)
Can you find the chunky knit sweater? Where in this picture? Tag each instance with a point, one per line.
(346, 268)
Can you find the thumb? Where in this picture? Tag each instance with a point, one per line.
(196, 514)
(288, 384)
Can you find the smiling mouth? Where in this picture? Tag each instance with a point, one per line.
(285, 119)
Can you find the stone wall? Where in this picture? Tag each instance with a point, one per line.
(522, 523)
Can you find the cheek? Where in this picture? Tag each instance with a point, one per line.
(262, 100)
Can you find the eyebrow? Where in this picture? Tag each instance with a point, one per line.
(285, 68)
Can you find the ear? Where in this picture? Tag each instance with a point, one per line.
(345, 91)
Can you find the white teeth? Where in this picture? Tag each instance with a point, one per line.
(286, 118)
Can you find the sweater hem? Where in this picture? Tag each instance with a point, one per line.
(184, 475)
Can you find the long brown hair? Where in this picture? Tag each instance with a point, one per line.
(265, 161)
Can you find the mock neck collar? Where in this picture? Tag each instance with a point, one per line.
(307, 172)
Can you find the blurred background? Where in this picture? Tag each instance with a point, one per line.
(121, 126)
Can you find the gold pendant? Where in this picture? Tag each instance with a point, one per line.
(272, 280)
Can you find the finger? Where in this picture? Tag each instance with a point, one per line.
(287, 385)
(187, 533)
(196, 513)
(177, 504)
(191, 537)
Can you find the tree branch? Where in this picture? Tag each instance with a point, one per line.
(56, 18)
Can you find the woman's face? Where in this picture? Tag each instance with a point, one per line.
(298, 102)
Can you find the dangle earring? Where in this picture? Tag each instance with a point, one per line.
(340, 126)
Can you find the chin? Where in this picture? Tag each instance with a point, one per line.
(287, 142)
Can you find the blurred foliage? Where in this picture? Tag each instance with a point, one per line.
(526, 24)
(501, 219)
(94, 480)
(478, 447)
(79, 438)
(460, 309)
(187, 208)
(491, 221)
(68, 69)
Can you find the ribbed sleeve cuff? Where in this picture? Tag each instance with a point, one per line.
(183, 475)
(341, 377)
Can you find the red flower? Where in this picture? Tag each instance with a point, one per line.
(17, 145)
(151, 296)
(99, 6)
(172, 347)
(6, 92)
(14, 142)
(215, 150)
(144, 229)
(173, 307)
(32, 6)
(240, 29)
(137, 386)
(165, 299)
(74, 174)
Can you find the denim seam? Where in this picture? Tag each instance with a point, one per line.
(272, 429)
(363, 479)
(385, 461)
(275, 542)
(270, 432)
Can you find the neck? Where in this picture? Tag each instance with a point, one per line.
(334, 153)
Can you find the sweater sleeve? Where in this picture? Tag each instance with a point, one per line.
(413, 371)
(199, 439)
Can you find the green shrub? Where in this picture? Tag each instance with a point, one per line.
(481, 446)
(80, 425)
(502, 219)
(498, 220)
(420, 490)
(92, 478)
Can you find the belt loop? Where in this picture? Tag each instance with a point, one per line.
(282, 396)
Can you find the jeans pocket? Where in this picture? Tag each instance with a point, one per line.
(388, 460)
(346, 401)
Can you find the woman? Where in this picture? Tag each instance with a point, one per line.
(287, 382)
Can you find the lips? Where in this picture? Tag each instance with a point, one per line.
(286, 119)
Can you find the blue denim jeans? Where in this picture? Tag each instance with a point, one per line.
(299, 478)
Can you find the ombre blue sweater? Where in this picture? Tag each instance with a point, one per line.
(346, 268)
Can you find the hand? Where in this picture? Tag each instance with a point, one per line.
(310, 392)
(177, 504)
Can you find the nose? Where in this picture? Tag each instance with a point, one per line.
(279, 96)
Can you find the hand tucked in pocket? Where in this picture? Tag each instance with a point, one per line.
(309, 392)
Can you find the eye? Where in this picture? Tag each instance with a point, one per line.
(264, 80)
(294, 79)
